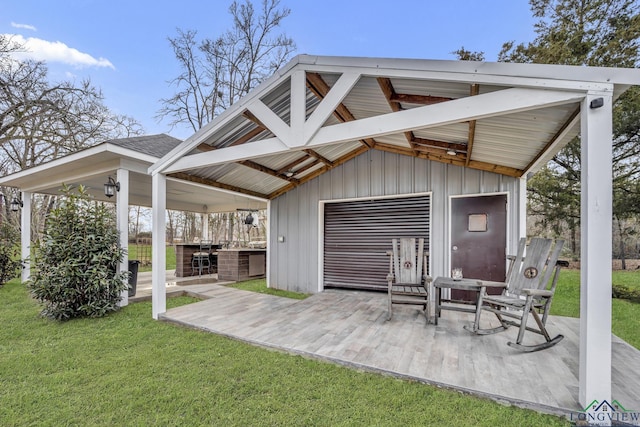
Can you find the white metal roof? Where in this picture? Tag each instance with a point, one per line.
(503, 117)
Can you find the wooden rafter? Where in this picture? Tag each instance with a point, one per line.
(389, 93)
(193, 178)
(318, 156)
(320, 88)
(475, 89)
(257, 166)
(320, 171)
(291, 165)
(440, 144)
(441, 157)
(418, 99)
(417, 144)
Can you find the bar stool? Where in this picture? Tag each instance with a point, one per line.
(201, 260)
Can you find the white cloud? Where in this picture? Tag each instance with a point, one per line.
(44, 50)
(23, 26)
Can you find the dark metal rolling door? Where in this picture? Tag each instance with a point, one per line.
(358, 234)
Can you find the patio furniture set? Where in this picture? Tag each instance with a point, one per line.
(529, 287)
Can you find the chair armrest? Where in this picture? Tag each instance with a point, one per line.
(490, 284)
(537, 292)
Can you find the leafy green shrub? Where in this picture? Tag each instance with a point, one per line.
(623, 292)
(74, 270)
(9, 260)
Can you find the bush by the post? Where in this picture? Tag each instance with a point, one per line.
(74, 268)
(9, 262)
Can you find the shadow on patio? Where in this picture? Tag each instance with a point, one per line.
(350, 328)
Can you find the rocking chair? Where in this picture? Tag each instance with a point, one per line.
(526, 292)
(407, 281)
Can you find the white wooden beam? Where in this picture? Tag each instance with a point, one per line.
(122, 223)
(507, 101)
(158, 250)
(470, 108)
(25, 235)
(328, 105)
(297, 108)
(595, 252)
(270, 120)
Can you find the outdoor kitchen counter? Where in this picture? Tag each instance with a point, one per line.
(184, 254)
(241, 264)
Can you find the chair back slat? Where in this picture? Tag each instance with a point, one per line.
(407, 260)
(533, 268)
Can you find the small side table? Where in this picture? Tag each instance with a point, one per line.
(463, 284)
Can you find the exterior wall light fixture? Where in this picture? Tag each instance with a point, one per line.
(110, 187)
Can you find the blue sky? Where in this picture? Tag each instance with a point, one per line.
(122, 45)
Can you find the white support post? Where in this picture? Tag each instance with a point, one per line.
(25, 236)
(269, 245)
(122, 221)
(158, 255)
(595, 251)
(205, 226)
(522, 209)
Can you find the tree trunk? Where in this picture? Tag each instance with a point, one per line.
(622, 253)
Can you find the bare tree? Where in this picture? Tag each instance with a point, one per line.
(41, 120)
(217, 72)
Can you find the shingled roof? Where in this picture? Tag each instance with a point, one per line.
(154, 145)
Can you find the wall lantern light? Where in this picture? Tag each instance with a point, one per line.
(110, 187)
(16, 204)
(249, 219)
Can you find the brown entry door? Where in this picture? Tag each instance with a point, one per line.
(479, 239)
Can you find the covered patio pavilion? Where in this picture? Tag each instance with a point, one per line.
(325, 129)
(126, 160)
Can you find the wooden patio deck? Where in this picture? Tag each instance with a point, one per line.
(350, 328)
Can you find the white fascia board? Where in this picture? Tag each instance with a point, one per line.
(77, 157)
(464, 109)
(54, 163)
(502, 70)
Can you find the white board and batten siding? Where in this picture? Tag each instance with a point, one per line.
(297, 222)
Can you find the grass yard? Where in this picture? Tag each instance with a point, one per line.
(127, 369)
(260, 286)
(145, 251)
(625, 314)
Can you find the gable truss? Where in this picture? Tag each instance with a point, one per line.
(294, 173)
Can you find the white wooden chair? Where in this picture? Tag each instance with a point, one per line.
(529, 289)
(408, 281)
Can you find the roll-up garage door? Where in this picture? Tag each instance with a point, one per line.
(358, 235)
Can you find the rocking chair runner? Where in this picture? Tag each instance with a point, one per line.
(525, 292)
(407, 281)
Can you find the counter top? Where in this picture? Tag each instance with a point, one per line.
(242, 250)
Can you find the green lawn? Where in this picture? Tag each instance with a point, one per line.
(128, 369)
(260, 286)
(625, 314)
(133, 254)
